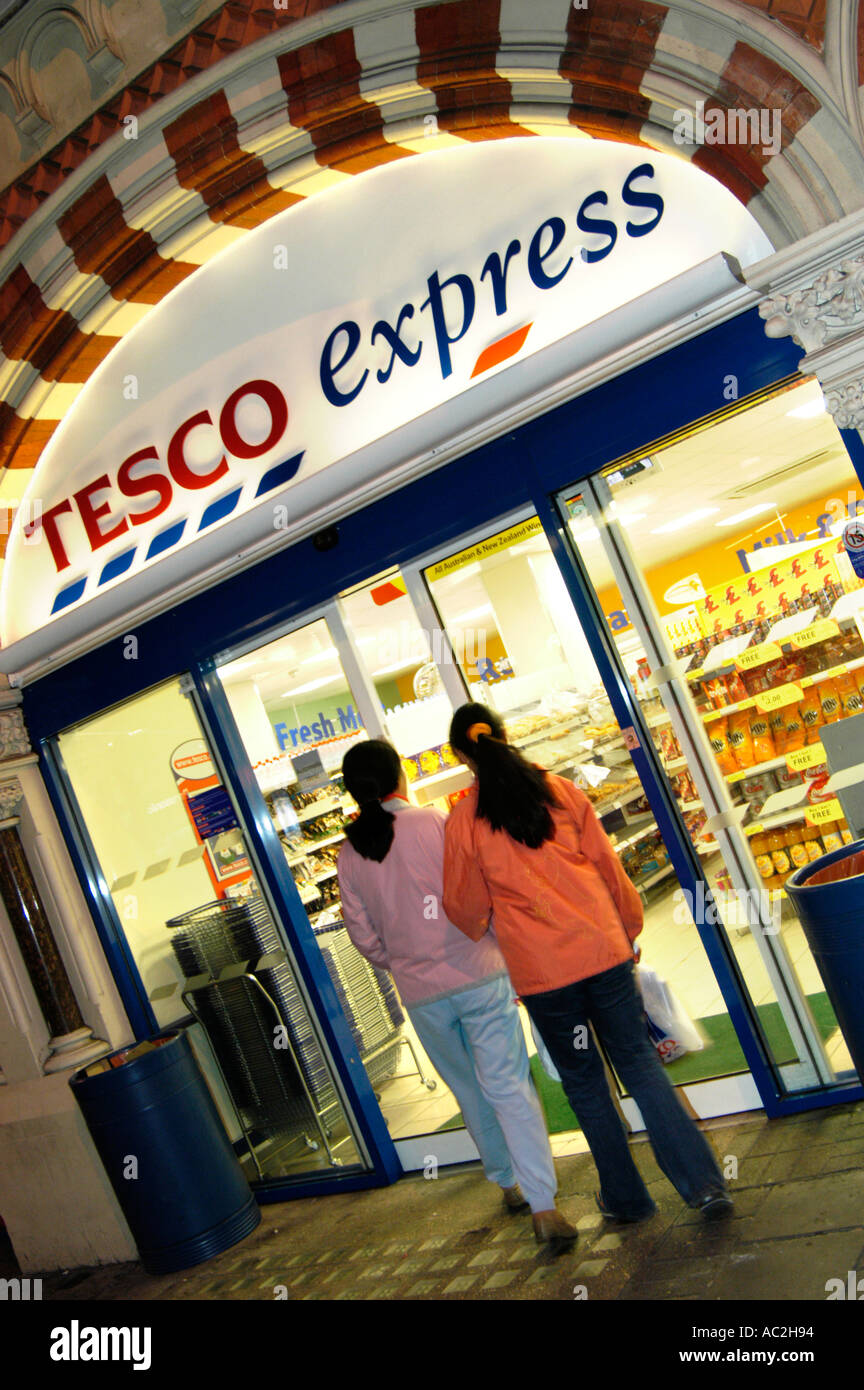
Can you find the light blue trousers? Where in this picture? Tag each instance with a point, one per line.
(475, 1042)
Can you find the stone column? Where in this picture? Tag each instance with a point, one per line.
(815, 294)
(72, 1043)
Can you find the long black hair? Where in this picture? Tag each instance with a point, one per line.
(371, 770)
(512, 794)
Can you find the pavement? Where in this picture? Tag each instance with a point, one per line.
(798, 1224)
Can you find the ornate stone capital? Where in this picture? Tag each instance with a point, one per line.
(11, 796)
(820, 314)
(14, 740)
(846, 404)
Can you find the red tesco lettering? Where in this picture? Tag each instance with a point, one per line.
(138, 480)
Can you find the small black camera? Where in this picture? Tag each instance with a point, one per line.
(326, 539)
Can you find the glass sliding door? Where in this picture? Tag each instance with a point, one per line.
(523, 651)
(167, 848)
(718, 563)
(364, 668)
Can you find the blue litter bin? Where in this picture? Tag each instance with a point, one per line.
(832, 916)
(166, 1151)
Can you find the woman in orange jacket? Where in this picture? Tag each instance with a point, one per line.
(526, 855)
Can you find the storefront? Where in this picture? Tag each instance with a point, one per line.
(560, 468)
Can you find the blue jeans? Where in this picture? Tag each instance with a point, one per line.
(474, 1040)
(612, 1003)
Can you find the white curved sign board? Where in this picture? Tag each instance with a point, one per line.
(243, 397)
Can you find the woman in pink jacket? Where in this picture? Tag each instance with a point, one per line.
(526, 854)
(456, 991)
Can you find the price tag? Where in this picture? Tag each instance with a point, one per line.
(788, 694)
(817, 632)
(825, 811)
(726, 710)
(805, 757)
(758, 656)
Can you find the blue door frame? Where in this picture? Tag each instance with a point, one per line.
(529, 465)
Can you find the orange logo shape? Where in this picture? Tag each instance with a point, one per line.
(505, 347)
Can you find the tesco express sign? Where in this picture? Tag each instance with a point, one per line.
(245, 400)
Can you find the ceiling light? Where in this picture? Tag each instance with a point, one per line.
(310, 685)
(472, 613)
(325, 655)
(687, 520)
(745, 516)
(807, 411)
(409, 665)
(754, 458)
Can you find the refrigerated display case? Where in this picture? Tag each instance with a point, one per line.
(739, 631)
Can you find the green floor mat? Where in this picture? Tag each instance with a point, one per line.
(721, 1056)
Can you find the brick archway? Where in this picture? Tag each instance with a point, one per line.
(205, 146)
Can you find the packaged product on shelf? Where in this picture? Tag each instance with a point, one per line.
(796, 846)
(718, 735)
(786, 778)
(829, 695)
(850, 698)
(760, 733)
(762, 854)
(715, 691)
(777, 850)
(832, 837)
(429, 761)
(669, 746)
(735, 688)
(757, 790)
(796, 734)
(846, 833)
(740, 739)
(777, 725)
(812, 843)
(810, 709)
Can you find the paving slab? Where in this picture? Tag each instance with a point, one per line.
(798, 1221)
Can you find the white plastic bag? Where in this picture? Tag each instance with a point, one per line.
(669, 1027)
(545, 1060)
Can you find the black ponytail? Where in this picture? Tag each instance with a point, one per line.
(512, 794)
(371, 770)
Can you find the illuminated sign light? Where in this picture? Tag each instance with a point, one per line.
(292, 377)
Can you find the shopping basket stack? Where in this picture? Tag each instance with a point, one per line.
(264, 1076)
(370, 1002)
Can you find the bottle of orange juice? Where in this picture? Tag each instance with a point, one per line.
(779, 857)
(812, 843)
(764, 862)
(796, 846)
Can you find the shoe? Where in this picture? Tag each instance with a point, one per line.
(513, 1199)
(714, 1206)
(617, 1220)
(552, 1229)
